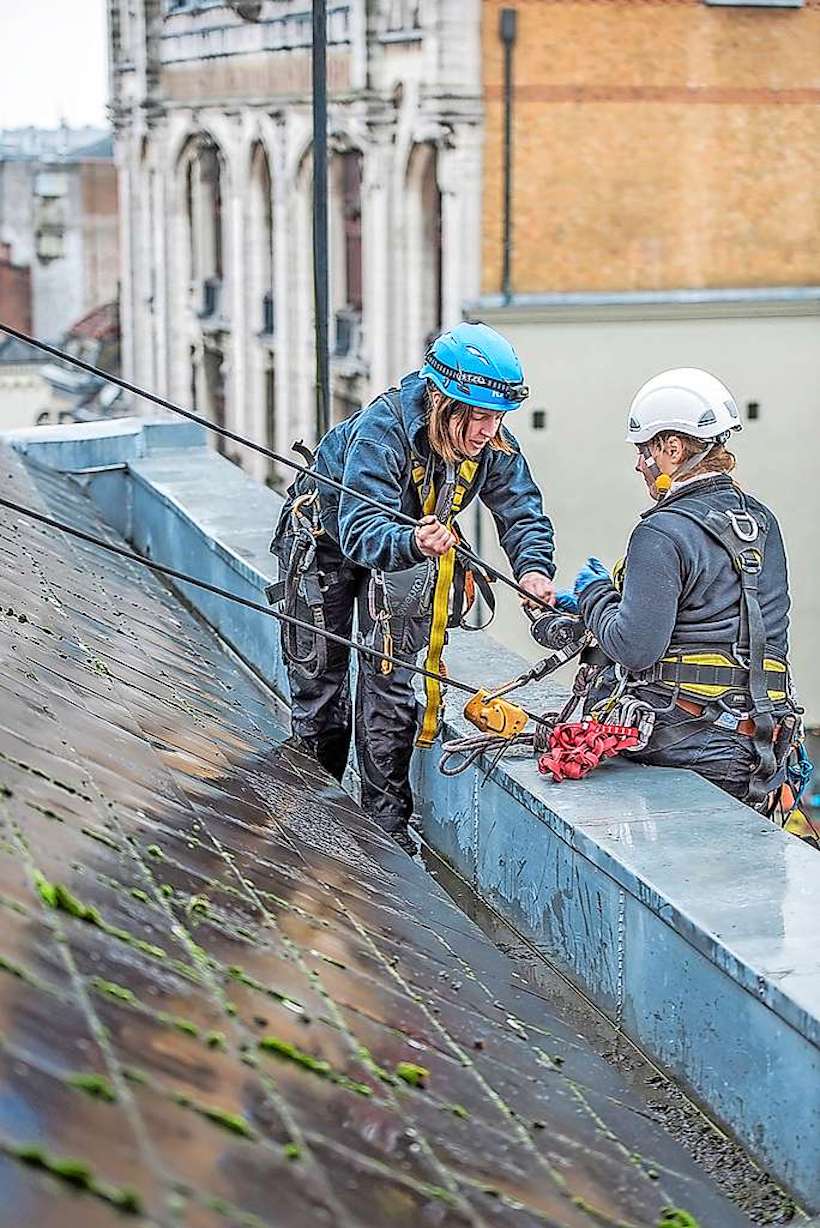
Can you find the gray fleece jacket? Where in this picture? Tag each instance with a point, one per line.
(680, 588)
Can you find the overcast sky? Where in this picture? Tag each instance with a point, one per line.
(53, 62)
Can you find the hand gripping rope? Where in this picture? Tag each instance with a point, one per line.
(226, 433)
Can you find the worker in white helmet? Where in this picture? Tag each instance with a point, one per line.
(696, 627)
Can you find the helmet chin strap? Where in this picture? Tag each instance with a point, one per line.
(663, 481)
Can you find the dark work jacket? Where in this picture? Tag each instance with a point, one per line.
(680, 588)
(373, 452)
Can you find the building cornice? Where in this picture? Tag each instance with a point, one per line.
(724, 303)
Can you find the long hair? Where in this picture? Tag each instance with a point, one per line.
(447, 421)
(718, 460)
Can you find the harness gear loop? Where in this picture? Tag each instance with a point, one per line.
(303, 581)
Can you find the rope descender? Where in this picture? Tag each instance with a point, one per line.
(492, 714)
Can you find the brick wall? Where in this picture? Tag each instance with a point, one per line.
(100, 225)
(658, 144)
(15, 292)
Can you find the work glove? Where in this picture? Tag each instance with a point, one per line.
(591, 572)
(567, 602)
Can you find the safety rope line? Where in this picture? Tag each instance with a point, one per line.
(163, 569)
(227, 433)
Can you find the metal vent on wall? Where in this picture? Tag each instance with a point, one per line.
(757, 4)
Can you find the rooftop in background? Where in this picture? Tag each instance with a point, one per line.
(56, 144)
(14, 352)
(99, 324)
(225, 997)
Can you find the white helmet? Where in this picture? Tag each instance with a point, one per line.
(687, 400)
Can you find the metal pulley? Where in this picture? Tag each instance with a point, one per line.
(559, 632)
(491, 714)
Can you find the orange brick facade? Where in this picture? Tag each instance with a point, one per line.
(15, 292)
(658, 144)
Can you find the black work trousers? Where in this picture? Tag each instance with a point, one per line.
(386, 714)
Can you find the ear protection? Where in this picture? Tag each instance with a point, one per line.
(662, 481)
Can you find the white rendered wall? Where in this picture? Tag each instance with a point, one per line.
(584, 372)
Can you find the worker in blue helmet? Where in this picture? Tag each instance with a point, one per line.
(427, 449)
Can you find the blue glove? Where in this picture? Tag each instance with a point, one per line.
(567, 602)
(592, 571)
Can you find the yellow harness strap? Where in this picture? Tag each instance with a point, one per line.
(707, 690)
(441, 604)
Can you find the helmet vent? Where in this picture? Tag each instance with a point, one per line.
(732, 408)
(634, 425)
(707, 418)
(471, 349)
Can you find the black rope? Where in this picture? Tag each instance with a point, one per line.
(133, 557)
(226, 433)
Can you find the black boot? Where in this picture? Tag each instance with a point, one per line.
(333, 750)
(407, 839)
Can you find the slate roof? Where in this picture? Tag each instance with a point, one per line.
(14, 352)
(225, 998)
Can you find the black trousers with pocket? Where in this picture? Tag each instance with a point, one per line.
(386, 711)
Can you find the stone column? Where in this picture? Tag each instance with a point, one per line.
(125, 161)
(283, 369)
(158, 304)
(235, 190)
(175, 332)
(459, 171)
(378, 257)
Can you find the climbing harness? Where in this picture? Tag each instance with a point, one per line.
(226, 433)
(445, 589)
(747, 690)
(303, 583)
(749, 685)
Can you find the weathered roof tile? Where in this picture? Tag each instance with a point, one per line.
(225, 997)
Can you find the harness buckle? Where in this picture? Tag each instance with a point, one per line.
(744, 525)
(749, 561)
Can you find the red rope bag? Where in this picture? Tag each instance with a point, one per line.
(577, 747)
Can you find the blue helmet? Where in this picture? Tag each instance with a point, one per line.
(476, 365)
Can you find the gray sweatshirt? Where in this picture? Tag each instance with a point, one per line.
(680, 588)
